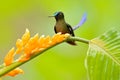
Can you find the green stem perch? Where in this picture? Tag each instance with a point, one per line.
(7, 69)
(79, 39)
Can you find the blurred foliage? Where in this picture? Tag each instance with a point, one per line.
(64, 62)
(103, 57)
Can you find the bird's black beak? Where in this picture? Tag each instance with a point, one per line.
(51, 16)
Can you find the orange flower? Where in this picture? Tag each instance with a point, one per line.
(26, 37)
(31, 46)
(19, 45)
(37, 44)
(15, 72)
(9, 57)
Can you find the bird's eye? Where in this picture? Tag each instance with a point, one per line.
(60, 14)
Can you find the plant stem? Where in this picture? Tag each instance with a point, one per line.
(16, 64)
(79, 39)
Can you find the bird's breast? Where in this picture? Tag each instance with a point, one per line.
(61, 27)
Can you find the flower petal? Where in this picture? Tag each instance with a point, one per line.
(26, 37)
(15, 72)
(9, 57)
(19, 45)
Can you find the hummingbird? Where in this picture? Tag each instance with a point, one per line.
(63, 27)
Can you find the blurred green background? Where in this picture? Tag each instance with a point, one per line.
(63, 62)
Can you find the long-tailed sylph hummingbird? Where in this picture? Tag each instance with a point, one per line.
(63, 27)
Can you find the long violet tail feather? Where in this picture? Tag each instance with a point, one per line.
(82, 21)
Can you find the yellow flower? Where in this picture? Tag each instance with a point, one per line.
(19, 45)
(9, 57)
(26, 37)
(31, 46)
(15, 72)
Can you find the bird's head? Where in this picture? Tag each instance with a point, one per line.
(58, 15)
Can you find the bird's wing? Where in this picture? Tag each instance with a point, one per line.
(55, 29)
(84, 17)
(70, 30)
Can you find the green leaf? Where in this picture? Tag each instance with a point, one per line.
(103, 57)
